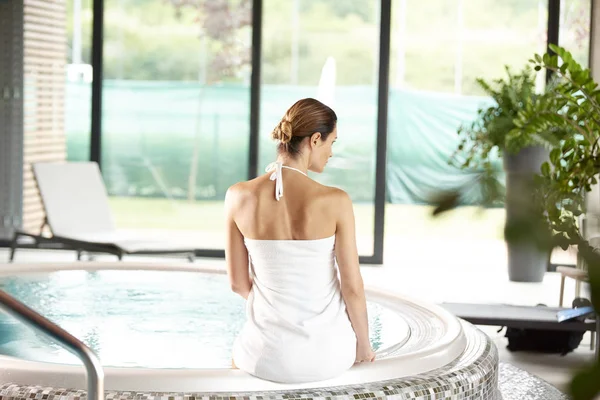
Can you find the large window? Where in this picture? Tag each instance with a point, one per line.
(177, 98)
(175, 114)
(439, 48)
(575, 24)
(79, 79)
(327, 49)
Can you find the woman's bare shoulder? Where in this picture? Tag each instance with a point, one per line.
(334, 196)
(331, 191)
(241, 192)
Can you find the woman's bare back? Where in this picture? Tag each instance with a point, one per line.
(258, 210)
(306, 210)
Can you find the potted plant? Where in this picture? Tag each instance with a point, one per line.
(569, 111)
(493, 134)
(567, 117)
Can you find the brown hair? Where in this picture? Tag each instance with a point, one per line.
(305, 117)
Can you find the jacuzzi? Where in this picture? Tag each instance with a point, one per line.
(165, 331)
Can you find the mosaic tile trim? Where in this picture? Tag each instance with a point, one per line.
(474, 375)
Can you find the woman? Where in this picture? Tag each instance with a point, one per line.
(303, 324)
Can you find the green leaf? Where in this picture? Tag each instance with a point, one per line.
(546, 58)
(586, 383)
(562, 241)
(554, 156)
(446, 202)
(545, 169)
(555, 48)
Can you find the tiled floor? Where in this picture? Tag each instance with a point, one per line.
(431, 274)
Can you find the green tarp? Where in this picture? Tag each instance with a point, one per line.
(153, 132)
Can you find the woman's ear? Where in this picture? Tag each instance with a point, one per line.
(314, 139)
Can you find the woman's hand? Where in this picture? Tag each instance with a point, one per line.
(364, 353)
(352, 286)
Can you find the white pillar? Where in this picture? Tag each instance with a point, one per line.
(592, 225)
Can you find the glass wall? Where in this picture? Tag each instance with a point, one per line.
(175, 114)
(327, 49)
(575, 24)
(78, 112)
(176, 96)
(438, 49)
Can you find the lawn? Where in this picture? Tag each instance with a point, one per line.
(413, 221)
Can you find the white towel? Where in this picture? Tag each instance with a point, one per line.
(297, 327)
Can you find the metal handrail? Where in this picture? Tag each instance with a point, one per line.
(95, 373)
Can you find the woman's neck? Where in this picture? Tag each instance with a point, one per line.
(298, 163)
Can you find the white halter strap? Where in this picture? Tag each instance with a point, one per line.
(276, 168)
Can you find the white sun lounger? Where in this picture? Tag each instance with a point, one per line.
(79, 217)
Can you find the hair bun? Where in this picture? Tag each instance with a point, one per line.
(283, 131)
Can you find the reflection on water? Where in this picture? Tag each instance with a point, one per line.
(141, 318)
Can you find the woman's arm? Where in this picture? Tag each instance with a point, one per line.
(236, 254)
(353, 290)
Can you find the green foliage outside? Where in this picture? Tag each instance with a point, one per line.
(150, 44)
(149, 40)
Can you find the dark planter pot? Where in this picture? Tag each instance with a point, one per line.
(526, 261)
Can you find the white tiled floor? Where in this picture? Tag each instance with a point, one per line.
(479, 277)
